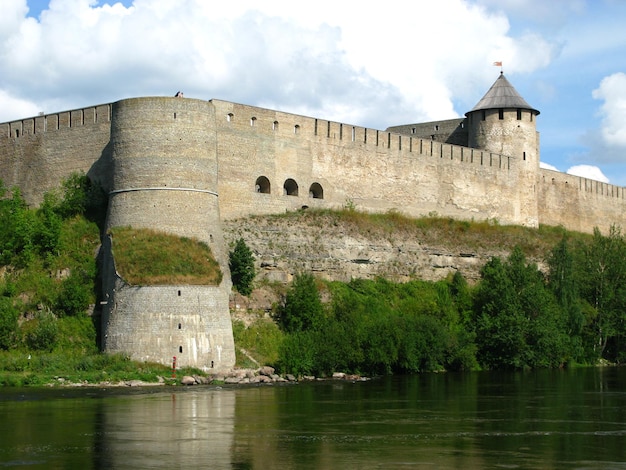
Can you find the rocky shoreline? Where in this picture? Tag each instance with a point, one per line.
(262, 375)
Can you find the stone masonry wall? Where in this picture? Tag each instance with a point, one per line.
(36, 154)
(580, 203)
(375, 170)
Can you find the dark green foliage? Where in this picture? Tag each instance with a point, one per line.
(75, 294)
(518, 323)
(8, 323)
(380, 327)
(302, 309)
(602, 281)
(37, 246)
(241, 263)
(298, 353)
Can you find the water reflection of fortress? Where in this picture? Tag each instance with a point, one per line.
(183, 165)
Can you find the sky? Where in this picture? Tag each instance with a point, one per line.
(371, 65)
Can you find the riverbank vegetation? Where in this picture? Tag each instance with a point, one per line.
(569, 313)
(516, 316)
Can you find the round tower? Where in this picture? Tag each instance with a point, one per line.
(503, 122)
(165, 178)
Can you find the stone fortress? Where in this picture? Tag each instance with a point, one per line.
(184, 165)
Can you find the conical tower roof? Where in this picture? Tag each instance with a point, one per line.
(502, 95)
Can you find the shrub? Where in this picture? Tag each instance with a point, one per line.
(8, 323)
(75, 294)
(41, 333)
(302, 309)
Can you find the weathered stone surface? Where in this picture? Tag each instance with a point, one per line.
(188, 380)
(267, 371)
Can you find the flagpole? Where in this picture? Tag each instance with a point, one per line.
(499, 64)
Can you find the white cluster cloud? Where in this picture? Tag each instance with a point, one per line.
(585, 171)
(612, 91)
(407, 62)
(588, 171)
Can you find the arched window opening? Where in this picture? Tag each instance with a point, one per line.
(275, 126)
(230, 117)
(252, 121)
(290, 187)
(316, 191)
(262, 185)
(296, 129)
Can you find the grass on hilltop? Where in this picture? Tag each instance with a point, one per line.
(437, 230)
(148, 257)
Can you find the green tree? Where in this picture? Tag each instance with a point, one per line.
(518, 323)
(241, 262)
(602, 278)
(564, 285)
(302, 309)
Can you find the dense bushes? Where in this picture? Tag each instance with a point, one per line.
(373, 327)
(515, 317)
(47, 255)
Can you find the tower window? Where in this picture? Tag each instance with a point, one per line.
(483, 115)
(501, 114)
(519, 114)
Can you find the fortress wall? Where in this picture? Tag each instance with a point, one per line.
(579, 203)
(451, 131)
(38, 153)
(375, 170)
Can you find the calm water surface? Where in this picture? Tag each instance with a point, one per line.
(574, 419)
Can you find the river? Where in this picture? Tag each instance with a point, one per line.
(556, 419)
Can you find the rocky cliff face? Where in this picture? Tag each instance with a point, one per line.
(336, 249)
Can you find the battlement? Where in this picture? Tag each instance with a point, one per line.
(56, 121)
